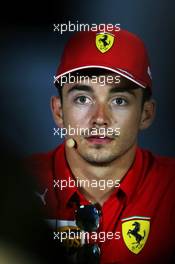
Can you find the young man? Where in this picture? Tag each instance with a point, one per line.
(99, 180)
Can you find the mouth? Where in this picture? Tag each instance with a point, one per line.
(99, 139)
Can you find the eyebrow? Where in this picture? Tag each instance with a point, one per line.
(87, 88)
(84, 88)
(123, 90)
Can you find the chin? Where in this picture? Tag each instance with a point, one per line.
(98, 156)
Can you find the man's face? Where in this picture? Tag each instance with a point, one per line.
(94, 106)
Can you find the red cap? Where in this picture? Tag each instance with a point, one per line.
(119, 51)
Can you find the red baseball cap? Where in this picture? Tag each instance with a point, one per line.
(120, 51)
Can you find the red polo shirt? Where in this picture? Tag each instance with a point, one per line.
(141, 210)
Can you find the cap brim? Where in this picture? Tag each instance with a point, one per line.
(119, 71)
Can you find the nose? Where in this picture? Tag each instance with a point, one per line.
(101, 116)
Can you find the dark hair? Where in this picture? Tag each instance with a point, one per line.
(59, 90)
(147, 94)
(97, 72)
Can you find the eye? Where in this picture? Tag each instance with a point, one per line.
(82, 100)
(119, 101)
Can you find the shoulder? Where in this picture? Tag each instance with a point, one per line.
(166, 171)
(166, 164)
(162, 168)
(39, 161)
(40, 165)
(162, 162)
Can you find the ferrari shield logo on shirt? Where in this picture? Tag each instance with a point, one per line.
(104, 41)
(135, 231)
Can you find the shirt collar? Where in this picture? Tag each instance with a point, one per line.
(63, 173)
(133, 177)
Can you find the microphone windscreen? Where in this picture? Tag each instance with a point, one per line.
(70, 143)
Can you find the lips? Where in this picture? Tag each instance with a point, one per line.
(99, 139)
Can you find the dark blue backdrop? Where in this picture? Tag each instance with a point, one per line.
(30, 55)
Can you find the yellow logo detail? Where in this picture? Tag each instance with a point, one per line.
(135, 234)
(70, 236)
(104, 41)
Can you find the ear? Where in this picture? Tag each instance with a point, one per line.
(56, 108)
(148, 114)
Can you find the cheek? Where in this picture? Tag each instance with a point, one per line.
(129, 119)
(76, 115)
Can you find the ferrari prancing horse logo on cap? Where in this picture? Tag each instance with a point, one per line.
(135, 233)
(104, 41)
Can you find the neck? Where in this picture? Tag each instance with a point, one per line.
(99, 181)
